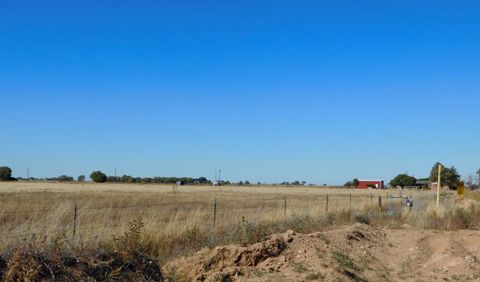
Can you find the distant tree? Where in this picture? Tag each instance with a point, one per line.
(348, 184)
(5, 173)
(98, 176)
(64, 178)
(449, 176)
(355, 182)
(81, 178)
(403, 180)
(247, 182)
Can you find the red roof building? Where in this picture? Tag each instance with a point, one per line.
(374, 184)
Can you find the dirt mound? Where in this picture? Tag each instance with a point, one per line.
(230, 261)
(283, 255)
(353, 253)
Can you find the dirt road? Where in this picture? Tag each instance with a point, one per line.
(354, 253)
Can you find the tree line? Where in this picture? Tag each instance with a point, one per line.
(100, 177)
(449, 177)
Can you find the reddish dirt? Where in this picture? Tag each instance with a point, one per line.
(354, 253)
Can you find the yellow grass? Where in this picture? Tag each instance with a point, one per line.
(47, 209)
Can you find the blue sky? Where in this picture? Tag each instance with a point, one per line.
(321, 91)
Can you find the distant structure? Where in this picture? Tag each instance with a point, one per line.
(373, 184)
(218, 180)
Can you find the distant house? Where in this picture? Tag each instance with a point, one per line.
(421, 184)
(434, 185)
(373, 184)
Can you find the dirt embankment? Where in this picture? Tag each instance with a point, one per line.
(354, 253)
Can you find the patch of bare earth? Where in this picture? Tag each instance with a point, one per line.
(353, 253)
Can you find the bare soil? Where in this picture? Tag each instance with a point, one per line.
(353, 253)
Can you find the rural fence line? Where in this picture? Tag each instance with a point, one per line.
(283, 202)
(189, 202)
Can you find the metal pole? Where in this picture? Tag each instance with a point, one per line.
(438, 184)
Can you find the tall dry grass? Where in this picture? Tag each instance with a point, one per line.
(178, 221)
(29, 210)
(117, 221)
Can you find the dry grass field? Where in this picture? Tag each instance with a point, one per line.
(165, 222)
(47, 209)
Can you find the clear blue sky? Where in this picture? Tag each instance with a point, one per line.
(321, 91)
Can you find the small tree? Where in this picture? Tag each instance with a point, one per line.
(98, 176)
(449, 176)
(81, 178)
(403, 180)
(5, 173)
(355, 182)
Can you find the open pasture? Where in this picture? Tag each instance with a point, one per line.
(88, 213)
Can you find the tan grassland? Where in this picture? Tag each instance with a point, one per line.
(47, 209)
(141, 232)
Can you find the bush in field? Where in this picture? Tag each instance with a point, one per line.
(98, 176)
(81, 178)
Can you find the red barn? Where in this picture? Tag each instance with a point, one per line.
(374, 184)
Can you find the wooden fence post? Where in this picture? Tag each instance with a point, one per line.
(75, 211)
(215, 213)
(285, 206)
(380, 202)
(350, 202)
(371, 198)
(326, 204)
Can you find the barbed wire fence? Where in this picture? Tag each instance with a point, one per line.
(282, 204)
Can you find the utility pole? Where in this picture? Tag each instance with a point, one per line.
(115, 174)
(28, 174)
(438, 184)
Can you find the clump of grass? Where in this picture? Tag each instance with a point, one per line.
(464, 217)
(51, 260)
(362, 218)
(315, 276)
(299, 267)
(344, 261)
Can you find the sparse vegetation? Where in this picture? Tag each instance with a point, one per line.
(156, 224)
